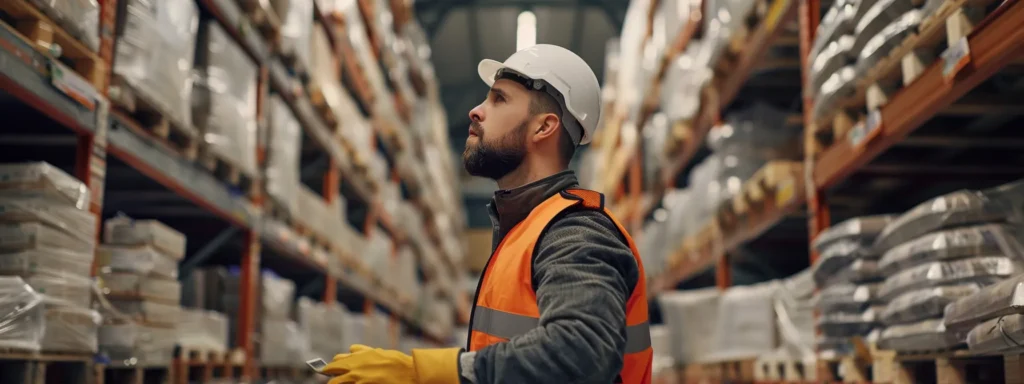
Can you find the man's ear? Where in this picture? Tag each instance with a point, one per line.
(546, 126)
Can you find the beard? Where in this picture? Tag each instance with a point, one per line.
(495, 160)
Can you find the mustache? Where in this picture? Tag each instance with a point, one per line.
(476, 128)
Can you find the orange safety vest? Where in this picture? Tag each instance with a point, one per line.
(506, 305)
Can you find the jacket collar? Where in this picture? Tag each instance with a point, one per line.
(510, 206)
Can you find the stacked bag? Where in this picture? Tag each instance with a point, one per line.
(47, 241)
(848, 281)
(139, 278)
(944, 251)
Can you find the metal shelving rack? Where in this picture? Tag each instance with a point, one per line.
(26, 74)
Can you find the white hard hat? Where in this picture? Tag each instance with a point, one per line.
(574, 83)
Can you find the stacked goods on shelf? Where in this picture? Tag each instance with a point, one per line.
(692, 317)
(991, 320)
(296, 31)
(942, 250)
(283, 342)
(218, 289)
(203, 330)
(154, 60)
(403, 275)
(370, 329)
(848, 279)
(740, 147)
(746, 323)
(794, 319)
(47, 240)
(378, 255)
(79, 17)
(436, 313)
(138, 272)
(281, 172)
(325, 325)
(663, 366)
(224, 100)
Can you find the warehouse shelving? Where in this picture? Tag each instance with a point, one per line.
(40, 82)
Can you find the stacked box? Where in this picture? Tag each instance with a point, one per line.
(944, 250)
(203, 330)
(47, 239)
(155, 50)
(22, 312)
(283, 150)
(224, 99)
(283, 342)
(138, 273)
(326, 325)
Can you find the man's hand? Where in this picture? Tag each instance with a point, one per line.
(365, 365)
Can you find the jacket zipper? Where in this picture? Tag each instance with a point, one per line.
(479, 284)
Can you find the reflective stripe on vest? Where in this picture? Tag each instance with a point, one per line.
(508, 325)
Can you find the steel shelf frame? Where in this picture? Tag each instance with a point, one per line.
(25, 74)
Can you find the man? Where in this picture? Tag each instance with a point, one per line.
(563, 296)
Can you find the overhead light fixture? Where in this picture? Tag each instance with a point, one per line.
(526, 30)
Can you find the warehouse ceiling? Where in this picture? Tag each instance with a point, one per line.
(462, 32)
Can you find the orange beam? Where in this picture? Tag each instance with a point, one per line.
(247, 308)
(818, 214)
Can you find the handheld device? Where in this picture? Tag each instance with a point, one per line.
(317, 364)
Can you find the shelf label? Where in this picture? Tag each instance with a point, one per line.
(785, 193)
(867, 130)
(955, 58)
(72, 84)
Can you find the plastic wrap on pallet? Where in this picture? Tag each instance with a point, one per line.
(22, 321)
(835, 55)
(142, 260)
(284, 145)
(684, 80)
(1000, 299)
(839, 20)
(133, 285)
(69, 328)
(880, 14)
(837, 87)
(997, 334)
(148, 311)
(746, 328)
(145, 345)
(862, 230)
(984, 270)
(847, 297)
(284, 344)
(53, 262)
(81, 18)
(43, 179)
(123, 230)
(794, 317)
(924, 336)
(19, 237)
(1003, 203)
(277, 296)
(844, 324)
(69, 289)
(927, 303)
(757, 132)
(692, 317)
(224, 99)
(37, 209)
(888, 39)
(835, 261)
(952, 244)
(296, 30)
(155, 52)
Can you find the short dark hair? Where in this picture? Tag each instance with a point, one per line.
(543, 102)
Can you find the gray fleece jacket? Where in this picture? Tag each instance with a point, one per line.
(583, 274)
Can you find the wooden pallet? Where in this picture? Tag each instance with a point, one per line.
(198, 364)
(152, 116)
(226, 170)
(949, 24)
(776, 186)
(264, 18)
(41, 368)
(790, 371)
(53, 41)
(278, 373)
(739, 371)
(946, 368)
(136, 375)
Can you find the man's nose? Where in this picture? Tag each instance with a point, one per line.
(477, 113)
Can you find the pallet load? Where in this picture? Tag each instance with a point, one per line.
(283, 343)
(79, 17)
(847, 277)
(941, 251)
(281, 174)
(296, 33)
(224, 106)
(327, 326)
(47, 238)
(203, 331)
(794, 359)
(152, 75)
(138, 273)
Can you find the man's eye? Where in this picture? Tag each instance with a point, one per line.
(499, 99)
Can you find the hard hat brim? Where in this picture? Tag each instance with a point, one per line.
(487, 69)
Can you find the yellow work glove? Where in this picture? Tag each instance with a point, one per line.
(366, 365)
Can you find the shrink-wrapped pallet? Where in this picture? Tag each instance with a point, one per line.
(953, 244)
(692, 317)
(285, 344)
(203, 330)
(283, 152)
(224, 101)
(22, 322)
(983, 270)
(70, 328)
(141, 260)
(278, 296)
(1000, 334)
(155, 52)
(998, 300)
(146, 345)
(746, 316)
(46, 262)
(25, 237)
(123, 230)
(43, 179)
(147, 311)
(119, 284)
(925, 303)
(80, 18)
(76, 223)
